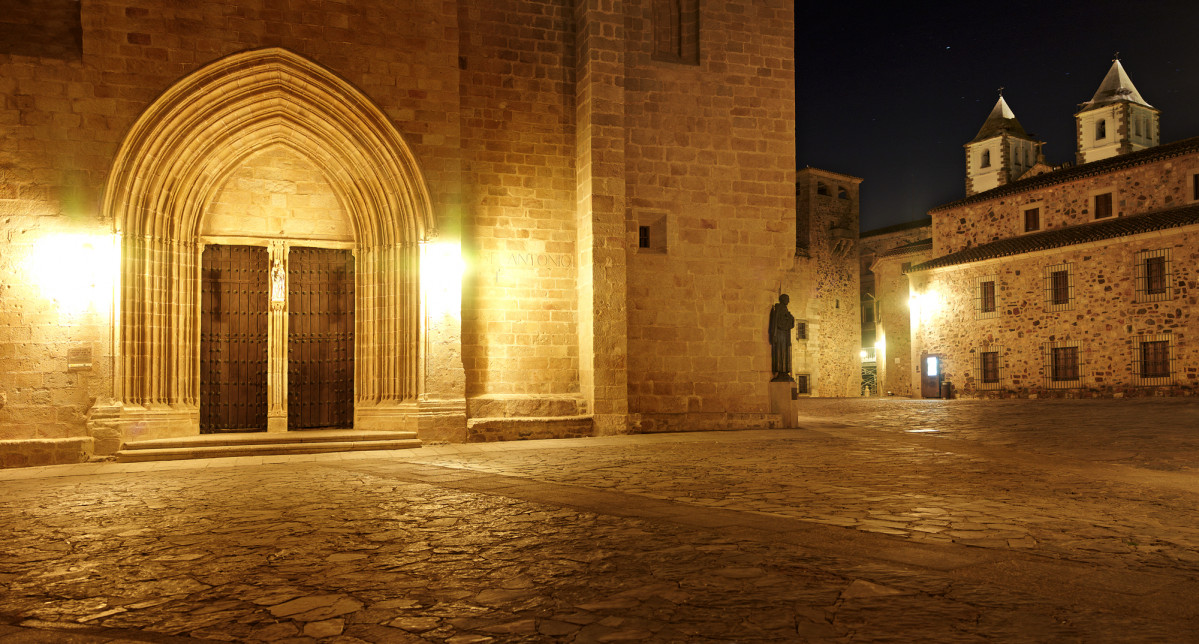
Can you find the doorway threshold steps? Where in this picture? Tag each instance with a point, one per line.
(264, 444)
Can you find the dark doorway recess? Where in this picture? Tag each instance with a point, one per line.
(233, 339)
(320, 346)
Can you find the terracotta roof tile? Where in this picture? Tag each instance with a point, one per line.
(1060, 237)
(911, 247)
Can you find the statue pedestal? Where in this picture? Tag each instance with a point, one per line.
(784, 402)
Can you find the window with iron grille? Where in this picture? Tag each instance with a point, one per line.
(1059, 287)
(1153, 275)
(801, 330)
(1103, 205)
(1063, 366)
(1032, 220)
(1153, 359)
(1065, 363)
(801, 383)
(988, 368)
(985, 300)
(643, 236)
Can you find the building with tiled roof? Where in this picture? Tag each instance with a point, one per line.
(1077, 281)
(874, 244)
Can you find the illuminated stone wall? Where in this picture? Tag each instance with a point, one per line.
(824, 284)
(1155, 185)
(63, 119)
(520, 313)
(1105, 319)
(277, 193)
(540, 134)
(893, 338)
(709, 164)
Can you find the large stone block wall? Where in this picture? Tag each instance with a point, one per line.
(1152, 186)
(1104, 319)
(520, 311)
(63, 117)
(545, 133)
(277, 193)
(710, 165)
(826, 285)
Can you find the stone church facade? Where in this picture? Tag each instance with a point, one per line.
(1077, 281)
(476, 221)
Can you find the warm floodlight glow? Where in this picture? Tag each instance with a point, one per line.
(76, 271)
(930, 366)
(924, 305)
(441, 269)
(862, 353)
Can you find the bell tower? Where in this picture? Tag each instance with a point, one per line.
(1001, 151)
(1116, 120)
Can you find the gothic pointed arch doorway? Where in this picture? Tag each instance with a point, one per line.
(176, 159)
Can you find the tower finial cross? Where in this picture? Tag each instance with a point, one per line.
(1001, 92)
(1116, 59)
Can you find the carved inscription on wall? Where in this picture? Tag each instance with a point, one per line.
(508, 264)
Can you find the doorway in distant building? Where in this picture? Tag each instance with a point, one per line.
(320, 343)
(930, 376)
(233, 339)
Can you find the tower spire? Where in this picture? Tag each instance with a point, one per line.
(1001, 151)
(1116, 120)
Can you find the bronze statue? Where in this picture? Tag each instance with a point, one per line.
(781, 323)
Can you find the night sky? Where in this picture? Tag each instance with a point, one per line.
(890, 92)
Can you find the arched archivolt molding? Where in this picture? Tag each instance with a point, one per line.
(177, 155)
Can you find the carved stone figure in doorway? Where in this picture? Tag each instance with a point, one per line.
(781, 323)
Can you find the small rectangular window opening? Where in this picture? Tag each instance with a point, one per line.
(1065, 363)
(1103, 205)
(1155, 359)
(1153, 275)
(1061, 287)
(1032, 220)
(990, 366)
(987, 297)
(643, 237)
(801, 330)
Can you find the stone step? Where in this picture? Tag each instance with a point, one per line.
(264, 444)
(484, 430)
(271, 438)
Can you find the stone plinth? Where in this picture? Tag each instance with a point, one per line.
(784, 402)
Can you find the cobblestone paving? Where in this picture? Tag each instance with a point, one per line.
(851, 530)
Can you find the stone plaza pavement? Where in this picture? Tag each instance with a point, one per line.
(878, 520)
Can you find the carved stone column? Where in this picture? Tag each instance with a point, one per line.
(276, 378)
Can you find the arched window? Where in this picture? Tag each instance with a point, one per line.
(822, 189)
(842, 193)
(1100, 129)
(986, 162)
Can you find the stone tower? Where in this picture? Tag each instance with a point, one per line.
(1116, 120)
(1000, 152)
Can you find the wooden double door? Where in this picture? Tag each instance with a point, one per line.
(236, 338)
